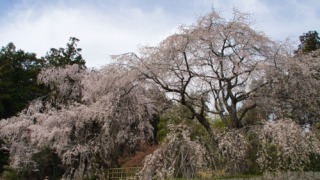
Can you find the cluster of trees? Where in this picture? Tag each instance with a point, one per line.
(218, 95)
(18, 78)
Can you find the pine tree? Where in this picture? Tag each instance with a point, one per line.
(310, 41)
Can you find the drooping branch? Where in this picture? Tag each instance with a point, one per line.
(216, 59)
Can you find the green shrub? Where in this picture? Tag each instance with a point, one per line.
(314, 164)
(218, 124)
(177, 115)
(9, 173)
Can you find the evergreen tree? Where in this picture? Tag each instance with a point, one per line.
(310, 41)
(66, 56)
(18, 80)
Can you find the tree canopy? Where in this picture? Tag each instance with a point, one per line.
(66, 56)
(224, 97)
(209, 66)
(101, 116)
(293, 89)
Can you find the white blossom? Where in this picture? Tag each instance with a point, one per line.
(103, 114)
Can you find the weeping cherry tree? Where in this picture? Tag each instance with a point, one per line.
(209, 66)
(93, 119)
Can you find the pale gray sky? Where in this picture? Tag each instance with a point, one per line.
(107, 27)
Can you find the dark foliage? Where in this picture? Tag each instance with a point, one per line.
(18, 80)
(309, 41)
(66, 56)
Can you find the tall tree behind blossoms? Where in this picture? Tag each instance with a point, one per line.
(19, 71)
(102, 115)
(18, 80)
(66, 56)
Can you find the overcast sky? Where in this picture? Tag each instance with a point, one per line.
(107, 27)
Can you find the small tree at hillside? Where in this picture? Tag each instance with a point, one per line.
(209, 66)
